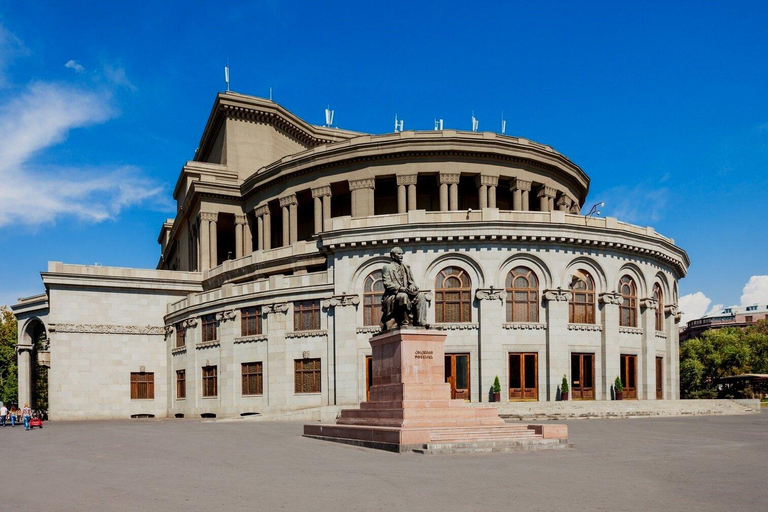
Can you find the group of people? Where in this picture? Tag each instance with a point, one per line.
(15, 414)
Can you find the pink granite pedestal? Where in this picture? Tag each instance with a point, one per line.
(410, 404)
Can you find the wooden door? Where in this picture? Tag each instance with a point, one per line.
(659, 378)
(457, 375)
(629, 376)
(523, 376)
(582, 376)
(368, 377)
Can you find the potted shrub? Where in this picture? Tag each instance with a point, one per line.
(564, 388)
(496, 390)
(618, 388)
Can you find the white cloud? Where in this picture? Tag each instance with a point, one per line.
(755, 291)
(72, 64)
(641, 204)
(693, 306)
(39, 117)
(10, 48)
(117, 76)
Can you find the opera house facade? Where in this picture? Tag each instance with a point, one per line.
(269, 286)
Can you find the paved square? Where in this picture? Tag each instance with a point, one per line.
(680, 464)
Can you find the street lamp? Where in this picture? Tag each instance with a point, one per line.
(593, 211)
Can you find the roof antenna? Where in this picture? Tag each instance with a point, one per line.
(438, 124)
(226, 74)
(398, 125)
(475, 123)
(270, 93)
(328, 116)
(503, 123)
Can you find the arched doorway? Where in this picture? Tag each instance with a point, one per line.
(34, 363)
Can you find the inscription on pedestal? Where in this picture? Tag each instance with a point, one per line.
(423, 354)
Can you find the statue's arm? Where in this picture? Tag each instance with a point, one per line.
(391, 286)
(411, 285)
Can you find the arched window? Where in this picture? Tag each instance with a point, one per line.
(522, 295)
(453, 298)
(372, 292)
(659, 297)
(581, 308)
(628, 307)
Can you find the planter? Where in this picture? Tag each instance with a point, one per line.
(497, 396)
(564, 396)
(619, 395)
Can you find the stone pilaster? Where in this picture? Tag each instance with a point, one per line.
(609, 350)
(672, 364)
(342, 349)
(25, 374)
(491, 313)
(520, 189)
(558, 358)
(486, 189)
(362, 197)
(648, 323)
(277, 356)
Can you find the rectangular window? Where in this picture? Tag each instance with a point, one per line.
(307, 375)
(142, 386)
(210, 381)
(250, 321)
(749, 319)
(209, 327)
(306, 315)
(181, 384)
(181, 334)
(253, 378)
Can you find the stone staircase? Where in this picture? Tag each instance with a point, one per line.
(506, 438)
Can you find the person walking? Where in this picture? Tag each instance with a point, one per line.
(3, 414)
(12, 413)
(26, 412)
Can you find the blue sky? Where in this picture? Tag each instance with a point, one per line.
(663, 104)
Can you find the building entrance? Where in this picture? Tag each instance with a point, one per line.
(523, 376)
(629, 376)
(457, 375)
(582, 376)
(659, 378)
(368, 377)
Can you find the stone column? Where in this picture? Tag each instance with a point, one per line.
(609, 339)
(453, 194)
(492, 312)
(322, 198)
(288, 205)
(648, 323)
(342, 349)
(267, 230)
(443, 196)
(294, 212)
(546, 197)
(25, 353)
(487, 190)
(214, 240)
(449, 185)
(564, 203)
(264, 227)
(240, 222)
(247, 238)
(260, 232)
(406, 190)
(520, 188)
(204, 249)
(557, 357)
(362, 197)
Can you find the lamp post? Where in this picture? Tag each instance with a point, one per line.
(593, 211)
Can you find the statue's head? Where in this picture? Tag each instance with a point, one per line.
(396, 254)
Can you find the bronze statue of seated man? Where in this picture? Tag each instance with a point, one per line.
(402, 303)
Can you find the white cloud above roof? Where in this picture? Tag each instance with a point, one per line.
(755, 291)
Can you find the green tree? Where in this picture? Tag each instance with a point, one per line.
(9, 386)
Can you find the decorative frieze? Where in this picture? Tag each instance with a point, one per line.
(585, 327)
(209, 216)
(547, 192)
(610, 298)
(491, 294)
(409, 179)
(305, 334)
(321, 191)
(661, 334)
(251, 339)
(558, 295)
(455, 326)
(107, 329)
(368, 329)
(341, 301)
(518, 184)
(448, 179)
(524, 326)
(484, 179)
(365, 183)
(631, 330)
(207, 344)
(280, 307)
(178, 351)
(288, 200)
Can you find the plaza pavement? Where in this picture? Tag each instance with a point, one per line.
(712, 463)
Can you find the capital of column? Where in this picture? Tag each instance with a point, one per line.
(491, 294)
(518, 184)
(261, 210)
(557, 295)
(610, 298)
(321, 191)
(288, 200)
(209, 216)
(190, 323)
(672, 309)
(484, 179)
(407, 179)
(547, 192)
(280, 307)
(224, 316)
(241, 219)
(365, 183)
(575, 208)
(24, 348)
(449, 179)
(649, 303)
(564, 200)
(341, 301)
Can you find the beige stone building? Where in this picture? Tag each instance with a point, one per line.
(268, 285)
